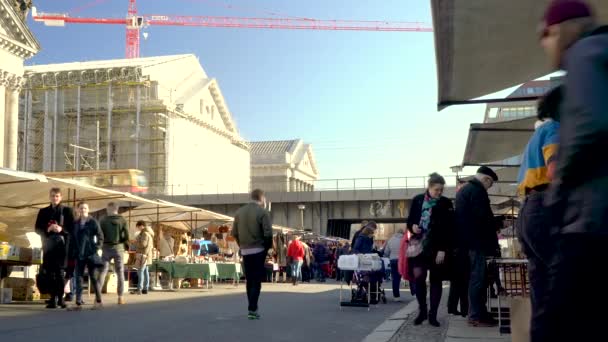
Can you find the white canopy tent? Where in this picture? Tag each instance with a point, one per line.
(485, 46)
(23, 194)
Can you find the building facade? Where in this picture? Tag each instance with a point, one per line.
(161, 115)
(17, 43)
(283, 166)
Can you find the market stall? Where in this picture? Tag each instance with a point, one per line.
(22, 195)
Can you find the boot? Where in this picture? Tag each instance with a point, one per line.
(433, 320)
(422, 316)
(61, 303)
(52, 303)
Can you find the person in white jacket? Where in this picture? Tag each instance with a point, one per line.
(391, 251)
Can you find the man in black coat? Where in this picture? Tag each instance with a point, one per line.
(477, 234)
(578, 197)
(54, 224)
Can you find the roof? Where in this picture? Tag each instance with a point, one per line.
(470, 64)
(274, 147)
(108, 63)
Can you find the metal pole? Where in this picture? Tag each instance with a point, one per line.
(137, 118)
(158, 247)
(109, 129)
(97, 148)
(54, 164)
(76, 151)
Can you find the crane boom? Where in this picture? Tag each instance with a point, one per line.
(134, 22)
(52, 19)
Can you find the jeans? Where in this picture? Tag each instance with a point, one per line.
(296, 270)
(477, 286)
(395, 277)
(320, 271)
(143, 274)
(534, 235)
(254, 274)
(78, 274)
(109, 253)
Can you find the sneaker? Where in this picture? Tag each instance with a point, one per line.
(144, 291)
(121, 300)
(137, 292)
(253, 315)
(397, 300)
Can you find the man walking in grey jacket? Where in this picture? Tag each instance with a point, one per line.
(391, 251)
(116, 239)
(252, 229)
(578, 197)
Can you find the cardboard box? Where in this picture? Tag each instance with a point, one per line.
(27, 294)
(36, 256)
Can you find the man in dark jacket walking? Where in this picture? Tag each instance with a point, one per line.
(116, 239)
(477, 234)
(578, 196)
(54, 223)
(252, 229)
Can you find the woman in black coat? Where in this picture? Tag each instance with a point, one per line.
(431, 222)
(86, 240)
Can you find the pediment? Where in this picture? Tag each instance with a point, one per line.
(14, 33)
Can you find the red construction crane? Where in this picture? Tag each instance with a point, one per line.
(134, 23)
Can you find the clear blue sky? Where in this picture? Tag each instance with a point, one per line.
(365, 100)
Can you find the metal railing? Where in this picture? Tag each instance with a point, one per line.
(343, 184)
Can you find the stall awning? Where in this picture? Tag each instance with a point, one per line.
(485, 46)
(492, 143)
(22, 194)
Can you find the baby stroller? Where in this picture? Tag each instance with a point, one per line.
(366, 286)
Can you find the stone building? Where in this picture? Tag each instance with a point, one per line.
(17, 43)
(283, 166)
(162, 115)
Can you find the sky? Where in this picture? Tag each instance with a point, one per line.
(365, 100)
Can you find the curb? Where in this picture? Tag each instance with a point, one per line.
(389, 328)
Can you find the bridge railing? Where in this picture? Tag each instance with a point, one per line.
(342, 184)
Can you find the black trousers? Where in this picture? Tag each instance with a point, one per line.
(254, 275)
(577, 282)
(459, 283)
(534, 235)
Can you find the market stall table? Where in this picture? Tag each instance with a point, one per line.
(175, 270)
(229, 271)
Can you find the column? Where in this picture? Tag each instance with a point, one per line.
(12, 125)
(3, 109)
(292, 184)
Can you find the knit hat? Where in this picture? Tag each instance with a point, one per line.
(564, 10)
(484, 170)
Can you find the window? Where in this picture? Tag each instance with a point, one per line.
(530, 91)
(492, 113)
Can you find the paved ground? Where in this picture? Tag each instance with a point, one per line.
(425, 332)
(303, 313)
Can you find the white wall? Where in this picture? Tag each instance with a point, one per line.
(207, 164)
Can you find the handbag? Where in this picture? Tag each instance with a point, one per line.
(140, 261)
(96, 260)
(414, 248)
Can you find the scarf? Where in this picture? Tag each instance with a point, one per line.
(427, 210)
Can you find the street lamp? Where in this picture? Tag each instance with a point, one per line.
(456, 169)
(301, 207)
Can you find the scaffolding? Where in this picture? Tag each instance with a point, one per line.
(94, 119)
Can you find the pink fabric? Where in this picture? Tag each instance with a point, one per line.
(403, 270)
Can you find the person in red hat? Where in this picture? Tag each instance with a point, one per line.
(578, 196)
